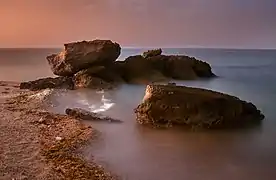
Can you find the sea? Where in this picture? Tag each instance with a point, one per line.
(140, 153)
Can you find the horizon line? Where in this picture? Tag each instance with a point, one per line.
(146, 47)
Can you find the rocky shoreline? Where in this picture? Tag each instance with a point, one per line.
(38, 144)
(45, 144)
(94, 64)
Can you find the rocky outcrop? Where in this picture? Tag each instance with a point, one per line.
(161, 68)
(87, 115)
(194, 107)
(152, 53)
(82, 55)
(137, 69)
(92, 64)
(54, 83)
(83, 79)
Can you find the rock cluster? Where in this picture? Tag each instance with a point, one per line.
(92, 64)
(194, 107)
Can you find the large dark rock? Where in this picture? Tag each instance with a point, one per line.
(84, 79)
(87, 115)
(82, 55)
(194, 107)
(137, 69)
(161, 68)
(52, 83)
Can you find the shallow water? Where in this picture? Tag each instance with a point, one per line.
(138, 153)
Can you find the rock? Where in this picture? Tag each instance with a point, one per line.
(52, 83)
(83, 79)
(87, 115)
(58, 138)
(194, 107)
(186, 68)
(137, 69)
(106, 73)
(161, 68)
(77, 56)
(152, 53)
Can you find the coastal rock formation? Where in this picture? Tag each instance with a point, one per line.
(194, 107)
(87, 115)
(82, 55)
(161, 67)
(152, 53)
(44, 83)
(85, 80)
(92, 64)
(137, 69)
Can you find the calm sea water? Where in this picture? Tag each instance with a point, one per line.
(139, 153)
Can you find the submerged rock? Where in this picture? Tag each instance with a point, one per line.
(194, 107)
(152, 53)
(87, 115)
(52, 83)
(82, 55)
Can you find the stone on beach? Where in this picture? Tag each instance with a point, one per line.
(77, 56)
(194, 107)
(44, 83)
(87, 115)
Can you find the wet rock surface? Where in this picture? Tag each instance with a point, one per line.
(87, 115)
(193, 107)
(44, 83)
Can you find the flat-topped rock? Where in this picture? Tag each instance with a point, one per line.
(52, 83)
(194, 107)
(77, 56)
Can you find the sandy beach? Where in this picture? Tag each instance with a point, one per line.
(36, 144)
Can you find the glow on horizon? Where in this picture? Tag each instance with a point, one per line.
(140, 23)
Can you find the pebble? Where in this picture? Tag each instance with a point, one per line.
(58, 138)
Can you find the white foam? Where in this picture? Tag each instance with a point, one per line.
(107, 104)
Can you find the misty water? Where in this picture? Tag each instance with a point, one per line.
(140, 153)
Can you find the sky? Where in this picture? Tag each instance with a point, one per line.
(139, 23)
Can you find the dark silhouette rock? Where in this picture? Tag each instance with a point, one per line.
(137, 69)
(161, 68)
(87, 115)
(194, 107)
(52, 83)
(82, 55)
(83, 79)
(152, 53)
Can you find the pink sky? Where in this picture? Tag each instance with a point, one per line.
(162, 23)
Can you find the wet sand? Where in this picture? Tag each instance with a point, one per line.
(36, 144)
